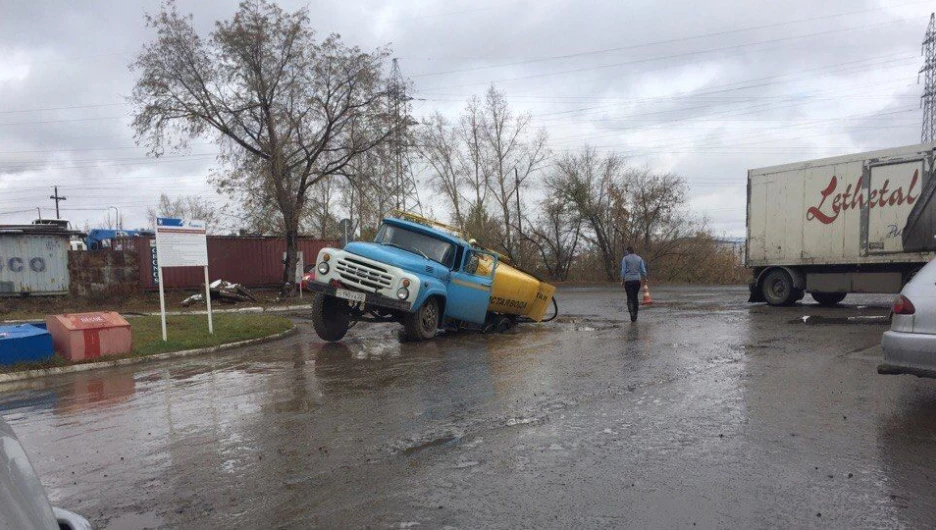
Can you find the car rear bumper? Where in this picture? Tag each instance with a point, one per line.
(370, 299)
(908, 353)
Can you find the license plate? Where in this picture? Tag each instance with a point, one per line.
(350, 295)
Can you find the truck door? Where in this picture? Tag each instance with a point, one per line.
(892, 190)
(469, 289)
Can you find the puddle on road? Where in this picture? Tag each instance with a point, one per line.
(414, 446)
(818, 320)
(586, 323)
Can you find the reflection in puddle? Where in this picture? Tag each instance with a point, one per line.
(818, 320)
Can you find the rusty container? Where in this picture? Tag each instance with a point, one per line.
(83, 336)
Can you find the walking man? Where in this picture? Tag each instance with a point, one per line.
(633, 270)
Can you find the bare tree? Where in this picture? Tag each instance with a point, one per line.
(656, 202)
(512, 159)
(287, 110)
(438, 143)
(474, 161)
(319, 216)
(555, 234)
(594, 186)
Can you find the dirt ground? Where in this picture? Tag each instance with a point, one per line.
(709, 412)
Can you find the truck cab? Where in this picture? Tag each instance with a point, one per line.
(416, 272)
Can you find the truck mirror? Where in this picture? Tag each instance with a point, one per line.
(471, 267)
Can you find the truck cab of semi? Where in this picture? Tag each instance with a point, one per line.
(416, 272)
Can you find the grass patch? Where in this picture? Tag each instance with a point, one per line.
(37, 307)
(186, 332)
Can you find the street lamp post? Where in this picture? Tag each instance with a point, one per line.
(117, 221)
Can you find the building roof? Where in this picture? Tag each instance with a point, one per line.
(45, 230)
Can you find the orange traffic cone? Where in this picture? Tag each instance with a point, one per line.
(646, 298)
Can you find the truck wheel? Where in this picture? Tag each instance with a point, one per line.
(828, 299)
(778, 288)
(331, 317)
(422, 323)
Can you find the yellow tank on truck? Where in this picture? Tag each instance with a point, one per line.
(515, 292)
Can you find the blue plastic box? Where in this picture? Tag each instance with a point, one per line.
(24, 343)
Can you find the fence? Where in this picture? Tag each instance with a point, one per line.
(106, 271)
(250, 261)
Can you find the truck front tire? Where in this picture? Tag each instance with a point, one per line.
(423, 323)
(331, 317)
(828, 299)
(778, 288)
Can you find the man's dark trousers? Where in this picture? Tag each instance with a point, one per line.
(632, 288)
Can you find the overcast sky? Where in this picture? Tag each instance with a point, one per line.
(704, 89)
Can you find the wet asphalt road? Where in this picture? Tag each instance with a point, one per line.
(708, 413)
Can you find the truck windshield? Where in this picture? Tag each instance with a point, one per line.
(421, 244)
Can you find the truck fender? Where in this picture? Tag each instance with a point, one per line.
(424, 295)
(799, 280)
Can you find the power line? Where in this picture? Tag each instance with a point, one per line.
(928, 100)
(656, 43)
(67, 107)
(671, 56)
(61, 121)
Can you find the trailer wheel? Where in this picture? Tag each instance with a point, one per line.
(778, 288)
(423, 323)
(331, 317)
(828, 299)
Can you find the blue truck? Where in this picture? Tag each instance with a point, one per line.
(424, 275)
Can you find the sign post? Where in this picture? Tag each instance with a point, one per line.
(181, 243)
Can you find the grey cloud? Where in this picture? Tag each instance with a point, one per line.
(710, 129)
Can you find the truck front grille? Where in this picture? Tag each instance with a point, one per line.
(362, 274)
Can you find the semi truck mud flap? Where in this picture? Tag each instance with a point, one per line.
(756, 295)
(918, 234)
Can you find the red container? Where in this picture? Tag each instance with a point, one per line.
(81, 336)
(249, 261)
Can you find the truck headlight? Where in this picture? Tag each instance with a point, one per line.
(402, 293)
(323, 268)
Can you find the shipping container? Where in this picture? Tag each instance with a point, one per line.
(33, 260)
(840, 225)
(250, 261)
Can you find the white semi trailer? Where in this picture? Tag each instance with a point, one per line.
(861, 223)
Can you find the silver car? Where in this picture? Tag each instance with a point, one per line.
(23, 501)
(910, 345)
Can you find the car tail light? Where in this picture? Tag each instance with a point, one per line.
(903, 306)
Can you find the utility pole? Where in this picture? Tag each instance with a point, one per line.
(405, 190)
(928, 99)
(519, 220)
(519, 215)
(57, 198)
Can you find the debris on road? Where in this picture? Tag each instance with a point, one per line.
(230, 292)
(193, 299)
(223, 291)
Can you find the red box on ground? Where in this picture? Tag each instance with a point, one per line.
(82, 336)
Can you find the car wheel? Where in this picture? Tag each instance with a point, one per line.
(778, 288)
(828, 299)
(331, 317)
(423, 323)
